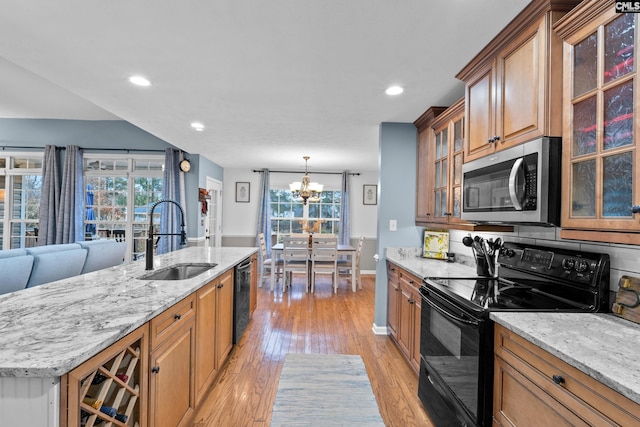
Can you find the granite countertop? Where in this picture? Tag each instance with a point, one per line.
(50, 329)
(411, 260)
(601, 345)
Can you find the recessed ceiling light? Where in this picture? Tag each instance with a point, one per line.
(139, 81)
(394, 90)
(197, 126)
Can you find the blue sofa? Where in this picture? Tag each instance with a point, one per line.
(15, 269)
(26, 268)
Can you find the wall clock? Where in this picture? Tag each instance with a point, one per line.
(185, 165)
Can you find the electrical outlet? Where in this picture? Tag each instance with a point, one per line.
(393, 225)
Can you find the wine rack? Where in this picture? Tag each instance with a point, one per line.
(110, 389)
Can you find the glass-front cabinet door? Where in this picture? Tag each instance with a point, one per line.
(600, 156)
(446, 164)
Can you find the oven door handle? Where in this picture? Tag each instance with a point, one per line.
(512, 184)
(449, 315)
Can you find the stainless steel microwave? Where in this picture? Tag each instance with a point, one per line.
(519, 185)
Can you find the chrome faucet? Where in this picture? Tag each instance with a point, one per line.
(149, 247)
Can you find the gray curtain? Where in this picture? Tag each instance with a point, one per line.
(344, 236)
(69, 222)
(172, 189)
(264, 215)
(50, 197)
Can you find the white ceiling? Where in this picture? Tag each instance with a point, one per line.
(272, 81)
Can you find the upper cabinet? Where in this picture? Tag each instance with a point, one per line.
(514, 85)
(444, 160)
(600, 156)
(424, 205)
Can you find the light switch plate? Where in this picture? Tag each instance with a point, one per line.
(393, 225)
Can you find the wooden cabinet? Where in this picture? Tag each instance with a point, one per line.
(513, 90)
(404, 309)
(424, 183)
(393, 299)
(224, 317)
(600, 154)
(110, 387)
(532, 384)
(444, 161)
(171, 384)
(214, 330)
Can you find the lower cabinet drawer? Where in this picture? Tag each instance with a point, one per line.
(517, 360)
(163, 325)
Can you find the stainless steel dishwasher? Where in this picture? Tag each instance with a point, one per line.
(241, 298)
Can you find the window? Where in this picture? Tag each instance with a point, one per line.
(119, 194)
(20, 187)
(109, 183)
(291, 216)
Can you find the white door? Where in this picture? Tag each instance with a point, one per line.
(213, 226)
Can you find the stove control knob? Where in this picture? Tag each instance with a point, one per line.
(568, 263)
(582, 266)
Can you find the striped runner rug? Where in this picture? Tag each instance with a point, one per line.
(324, 390)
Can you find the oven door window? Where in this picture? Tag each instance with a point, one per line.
(450, 344)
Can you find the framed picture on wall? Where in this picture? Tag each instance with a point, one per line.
(369, 194)
(242, 192)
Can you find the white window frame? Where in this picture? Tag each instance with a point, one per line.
(131, 174)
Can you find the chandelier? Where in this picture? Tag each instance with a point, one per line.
(306, 190)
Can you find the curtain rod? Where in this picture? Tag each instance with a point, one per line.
(310, 172)
(127, 150)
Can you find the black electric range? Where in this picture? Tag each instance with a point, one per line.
(456, 375)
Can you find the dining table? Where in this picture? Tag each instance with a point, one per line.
(348, 250)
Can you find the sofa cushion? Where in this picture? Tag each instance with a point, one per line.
(15, 272)
(10, 253)
(37, 250)
(102, 254)
(56, 262)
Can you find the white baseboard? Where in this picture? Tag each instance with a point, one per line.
(379, 330)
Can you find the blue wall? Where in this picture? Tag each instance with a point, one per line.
(94, 134)
(397, 200)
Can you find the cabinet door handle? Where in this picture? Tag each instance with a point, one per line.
(220, 286)
(558, 379)
(155, 369)
(177, 317)
(448, 214)
(490, 140)
(496, 138)
(635, 209)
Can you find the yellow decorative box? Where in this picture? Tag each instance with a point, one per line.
(436, 244)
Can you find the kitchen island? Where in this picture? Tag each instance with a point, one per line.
(49, 330)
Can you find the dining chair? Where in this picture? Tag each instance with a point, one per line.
(324, 254)
(266, 262)
(295, 253)
(344, 265)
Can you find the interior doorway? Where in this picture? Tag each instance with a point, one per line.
(213, 225)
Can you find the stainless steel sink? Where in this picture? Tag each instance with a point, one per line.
(178, 271)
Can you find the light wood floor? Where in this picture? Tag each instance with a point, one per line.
(324, 323)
